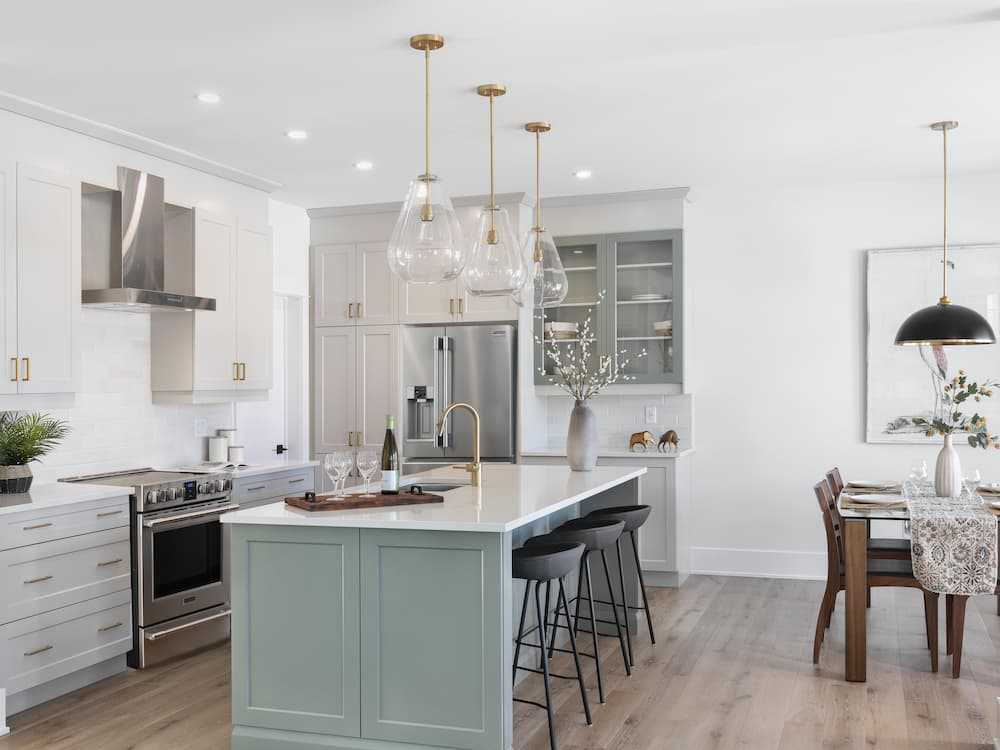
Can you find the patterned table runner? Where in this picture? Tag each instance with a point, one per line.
(953, 540)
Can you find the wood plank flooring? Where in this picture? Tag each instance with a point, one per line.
(732, 669)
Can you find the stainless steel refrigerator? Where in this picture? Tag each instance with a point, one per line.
(444, 364)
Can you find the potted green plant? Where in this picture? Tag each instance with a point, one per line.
(25, 438)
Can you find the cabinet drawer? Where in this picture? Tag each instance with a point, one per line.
(293, 484)
(270, 487)
(60, 523)
(45, 647)
(51, 575)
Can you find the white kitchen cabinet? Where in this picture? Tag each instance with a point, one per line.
(223, 354)
(451, 302)
(356, 384)
(254, 307)
(352, 284)
(42, 280)
(8, 277)
(473, 309)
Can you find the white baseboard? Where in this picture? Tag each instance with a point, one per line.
(4, 729)
(758, 563)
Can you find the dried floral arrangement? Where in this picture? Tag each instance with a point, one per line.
(573, 368)
(950, 397)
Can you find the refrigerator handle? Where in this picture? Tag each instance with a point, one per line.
(446, 384)
(439, 389)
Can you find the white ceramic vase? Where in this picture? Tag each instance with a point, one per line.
(581, 440)
(948, 471)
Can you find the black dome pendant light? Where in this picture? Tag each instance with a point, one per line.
(945, 324)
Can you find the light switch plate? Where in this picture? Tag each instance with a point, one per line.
(201, 428)
(650, 415)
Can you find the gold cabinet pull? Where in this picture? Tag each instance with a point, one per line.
(27, 368)
(359, 439)
(236, 370)
(41, 650)
(106, 628)
(38, 580)
(107, 513)
(243, 370)
(360, 314)
(296, 481)
(451, 306)
(14, 370)
(106, 563)
(37, 526)
(350, 309)
(461, 306)
(350, 439)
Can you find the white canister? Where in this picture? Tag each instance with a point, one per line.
(227, 432)
(218, 450)
(237, 455)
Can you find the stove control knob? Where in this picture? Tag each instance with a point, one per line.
(202, 488)
(227, 484)
(217, 485)
(173, 493)
(151, 497)
(161, 496)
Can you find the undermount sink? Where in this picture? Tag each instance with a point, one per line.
(433, 486)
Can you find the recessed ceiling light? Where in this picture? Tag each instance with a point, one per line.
(297, 135)
(364, 165)
(209, 97)
(583, 174)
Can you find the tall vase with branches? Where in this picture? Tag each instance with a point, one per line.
(574, 370)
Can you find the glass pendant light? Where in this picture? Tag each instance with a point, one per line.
(547, 284)
(496, 266)
(945, 323)
(427, 246)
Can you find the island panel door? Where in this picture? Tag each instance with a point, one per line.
(432, 638)
(295, 632)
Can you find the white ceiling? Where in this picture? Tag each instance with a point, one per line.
(645, 93)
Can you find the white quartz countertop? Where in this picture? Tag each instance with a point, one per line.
(56, 494)
(272, 467)
(512, 495)
(560, 450)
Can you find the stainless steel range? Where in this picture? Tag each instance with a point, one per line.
(180, 560)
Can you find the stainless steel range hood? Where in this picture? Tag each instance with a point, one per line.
(124, 256)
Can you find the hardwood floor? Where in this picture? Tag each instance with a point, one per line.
(732, 669)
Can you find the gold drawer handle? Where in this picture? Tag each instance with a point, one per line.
(37, 526)
(27, 369)
(41, 650)
(106, 628)
(109, 513)
(14, 370)
(106, 563)
(38, 580)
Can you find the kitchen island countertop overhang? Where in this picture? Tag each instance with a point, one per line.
(512, 495)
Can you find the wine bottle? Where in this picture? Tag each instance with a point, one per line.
(390, 459)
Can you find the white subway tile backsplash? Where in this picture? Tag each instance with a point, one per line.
(619, 416)
(115, 424)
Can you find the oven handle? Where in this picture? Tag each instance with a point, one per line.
(185, 626)
(196, 514)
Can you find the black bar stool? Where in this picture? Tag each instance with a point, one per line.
(633, 516)
(597, 535)
(540, 563)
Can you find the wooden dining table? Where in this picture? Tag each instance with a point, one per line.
(855, 534)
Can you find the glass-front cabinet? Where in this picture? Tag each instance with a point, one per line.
(640, 273)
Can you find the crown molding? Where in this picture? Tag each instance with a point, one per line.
(629, 196)
(461, 201)
(127, 139)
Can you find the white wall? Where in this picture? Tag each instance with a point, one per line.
(777, 355)
(115, 424)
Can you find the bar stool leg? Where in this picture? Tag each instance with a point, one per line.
(545, 613)
(614, 609)
(579, 592)
(576, 656)
(642, 588)
(545, 669)
(593, 625)
(621, 580)
(520, 632)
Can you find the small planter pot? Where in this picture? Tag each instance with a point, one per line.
(15, 479)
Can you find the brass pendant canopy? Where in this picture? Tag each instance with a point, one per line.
(945, 324)
(427, 246)
(496, 266)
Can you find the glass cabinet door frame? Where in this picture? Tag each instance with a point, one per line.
(675, 237)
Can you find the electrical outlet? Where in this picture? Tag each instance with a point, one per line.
(201, 428)
(650, 415)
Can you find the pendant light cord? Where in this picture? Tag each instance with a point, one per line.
(427, 135)
(944, 239)
(538, 197)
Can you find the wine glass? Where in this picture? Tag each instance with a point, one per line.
(330, 467)
(973, 480)
(343, 462)
(918, 471)
(367, 464)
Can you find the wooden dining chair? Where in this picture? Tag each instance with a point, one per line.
(881, 572)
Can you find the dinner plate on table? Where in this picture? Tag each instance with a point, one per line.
(874, 498)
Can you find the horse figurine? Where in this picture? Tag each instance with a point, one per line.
(668, 441)
(642, 440)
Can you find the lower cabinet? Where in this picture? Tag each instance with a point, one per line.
(249, 492)
(397, 635)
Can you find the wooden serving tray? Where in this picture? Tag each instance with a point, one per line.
(353, 502)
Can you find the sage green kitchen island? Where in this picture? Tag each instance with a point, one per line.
(392, 628)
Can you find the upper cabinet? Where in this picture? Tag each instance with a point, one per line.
(352, 284)
(40, 279)
(642, 310)
(225, 354)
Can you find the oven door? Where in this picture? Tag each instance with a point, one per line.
(183, 561)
